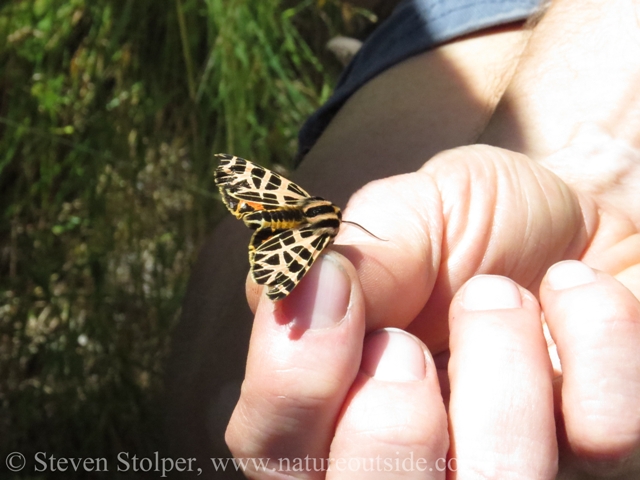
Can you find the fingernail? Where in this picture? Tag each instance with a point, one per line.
(489, 292)
(569, 273)
(393, 355)
(321, 298)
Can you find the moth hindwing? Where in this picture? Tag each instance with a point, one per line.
(291, 227)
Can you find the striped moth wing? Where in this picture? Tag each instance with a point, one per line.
(291, 228)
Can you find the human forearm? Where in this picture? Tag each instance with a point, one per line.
(580, 68)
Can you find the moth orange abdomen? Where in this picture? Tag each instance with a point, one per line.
(279, 219)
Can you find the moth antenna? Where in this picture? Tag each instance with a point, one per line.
(364, 229)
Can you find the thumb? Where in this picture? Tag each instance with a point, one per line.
(470, 210)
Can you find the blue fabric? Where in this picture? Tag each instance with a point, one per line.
(414, 27)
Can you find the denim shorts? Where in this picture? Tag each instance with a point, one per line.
(414, 27)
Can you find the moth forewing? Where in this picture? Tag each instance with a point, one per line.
(245, 180)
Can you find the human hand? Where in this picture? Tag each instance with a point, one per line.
(502, 214)
(304, 400)
(508, 215)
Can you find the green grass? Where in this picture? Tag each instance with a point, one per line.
(110, 113)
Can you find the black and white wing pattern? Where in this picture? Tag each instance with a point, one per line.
(291, 227)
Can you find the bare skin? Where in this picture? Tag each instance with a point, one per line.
(482, 239)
